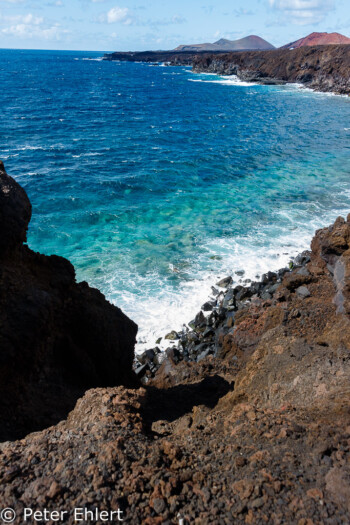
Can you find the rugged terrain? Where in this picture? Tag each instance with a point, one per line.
(57, 337)
(323, 68)
(253, 427)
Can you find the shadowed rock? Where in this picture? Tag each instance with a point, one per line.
(57, 337)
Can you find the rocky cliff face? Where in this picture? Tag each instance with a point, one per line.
(258, 433)
(323, 68)
(57, 337)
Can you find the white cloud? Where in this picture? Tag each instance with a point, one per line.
(26, 19)
(303, 12)
(30, 26)
(117, 14)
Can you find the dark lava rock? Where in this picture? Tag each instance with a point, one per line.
(229, 299)
(269, 277)
(323, 68)
(224, 283)
(57, 337)
(208, 306)
(15, 212)
(302, 259)
(140, 371)
(199, 320)
(148, 355)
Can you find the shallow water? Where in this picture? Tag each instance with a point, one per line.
(154, 185)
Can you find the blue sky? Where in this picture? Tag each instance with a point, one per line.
(104, 25)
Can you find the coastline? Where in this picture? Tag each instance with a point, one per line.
(244, 418)
(202, 336)
(320, 68)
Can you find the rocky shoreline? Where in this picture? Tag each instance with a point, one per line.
(203, 335)
(321, 68)
(246, 420)
(173, 58)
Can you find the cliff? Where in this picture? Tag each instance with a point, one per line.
(57, 337)
(246, 420)
(323, 68)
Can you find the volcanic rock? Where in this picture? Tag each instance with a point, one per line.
(322, 68)
(57, 337)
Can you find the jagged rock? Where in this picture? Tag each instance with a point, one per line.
(199, 319)
(208, 306)
(57, 337)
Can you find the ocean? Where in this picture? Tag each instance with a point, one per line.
(156, 182)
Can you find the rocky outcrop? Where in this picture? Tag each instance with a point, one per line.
(174, 58)
(323, 68)
(57, 337)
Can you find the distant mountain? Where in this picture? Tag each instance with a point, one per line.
(318, 39)
(249, 43)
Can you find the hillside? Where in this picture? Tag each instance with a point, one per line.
(251, 43)
(318, 39)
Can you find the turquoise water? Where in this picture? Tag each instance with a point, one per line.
(155, 182)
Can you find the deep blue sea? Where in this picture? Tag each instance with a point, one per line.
(155, 182)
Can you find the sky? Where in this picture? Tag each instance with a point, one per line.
(126, 25)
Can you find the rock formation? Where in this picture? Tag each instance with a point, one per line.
(323, 68)
(257, 433)
(57, 337)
